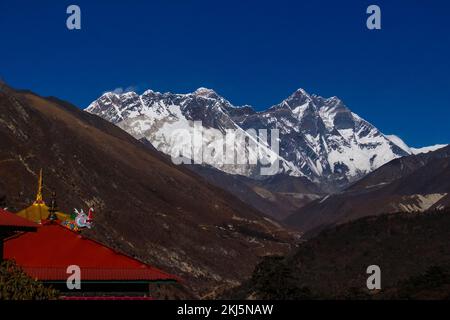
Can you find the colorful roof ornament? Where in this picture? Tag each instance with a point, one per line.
(39, 211)
(80, 220)
(39, 200)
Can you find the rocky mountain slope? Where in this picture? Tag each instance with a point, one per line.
(410, 184)
(145, 206)
(277, 196)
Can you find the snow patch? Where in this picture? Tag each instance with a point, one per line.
(428, 149)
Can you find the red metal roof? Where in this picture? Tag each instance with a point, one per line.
(10, 220)
(46, 254)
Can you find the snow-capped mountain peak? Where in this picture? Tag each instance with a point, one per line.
(320, 138)
(205, 92)
(298, 98)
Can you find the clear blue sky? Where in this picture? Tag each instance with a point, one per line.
(251, 52)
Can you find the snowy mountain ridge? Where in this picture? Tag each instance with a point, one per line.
(319, 138)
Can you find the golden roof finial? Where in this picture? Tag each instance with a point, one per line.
(39, 199)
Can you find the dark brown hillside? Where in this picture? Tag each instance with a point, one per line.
(145, 206)
(411, 250)
(277, 196)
